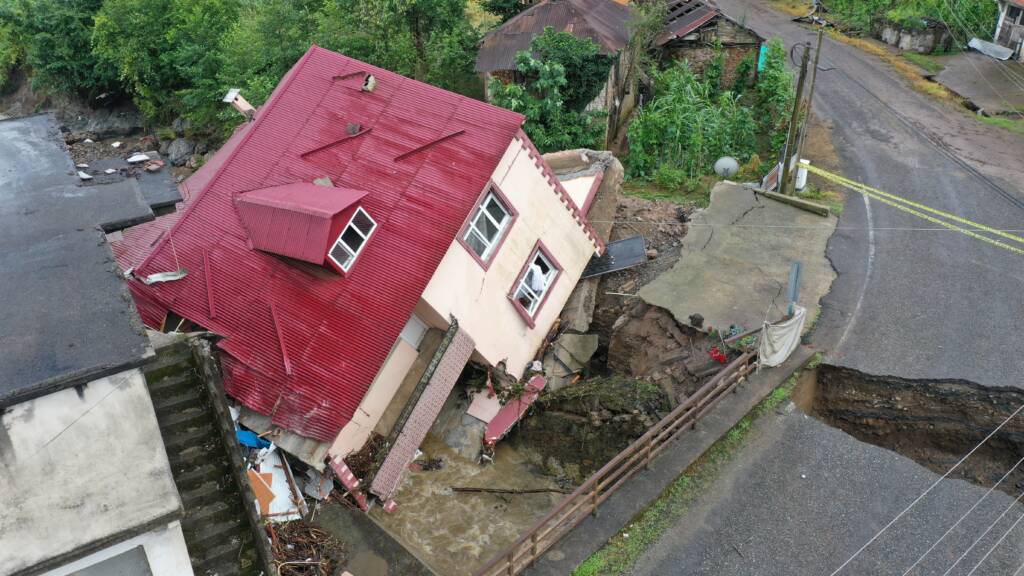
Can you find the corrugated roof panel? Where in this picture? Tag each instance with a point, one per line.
(337, 331)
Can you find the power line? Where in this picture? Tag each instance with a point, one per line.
(1019, 568)
(797, 227)
(996, 545)
(983, 534)
(961, 519)
(927, 491)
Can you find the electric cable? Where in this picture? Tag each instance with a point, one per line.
(983, 534)
(961, 519)
(928, 491)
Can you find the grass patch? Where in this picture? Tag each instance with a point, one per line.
(1014, 125)
(697, 193)
(928, 63)
(620, 554)
(834, 200)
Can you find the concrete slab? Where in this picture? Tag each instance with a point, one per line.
(736, 258)
(67, 315)
(81, 467)
(992, 85)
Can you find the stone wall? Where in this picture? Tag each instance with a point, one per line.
(934, 37)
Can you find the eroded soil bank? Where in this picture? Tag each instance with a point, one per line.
(933, 422)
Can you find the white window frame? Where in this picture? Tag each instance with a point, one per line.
(537, 295)
(414, 331)
(353, 254)
(471, 228)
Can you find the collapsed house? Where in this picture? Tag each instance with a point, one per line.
(692, 30)
(85, 481)
(355, 244)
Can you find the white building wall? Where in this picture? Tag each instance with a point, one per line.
(165, 551)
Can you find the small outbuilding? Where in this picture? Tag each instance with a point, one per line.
(1010, 27)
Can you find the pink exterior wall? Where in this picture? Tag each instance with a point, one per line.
(479, 297)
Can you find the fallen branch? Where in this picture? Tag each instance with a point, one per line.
(508, 490)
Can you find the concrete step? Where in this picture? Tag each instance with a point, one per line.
(220, 511)
(214, 531)
(183, 420)
(191, 477)
(173, 385)
(230, 557)
(189, 399)
(196, 436)
(168, 364)
(204, 494)
(189, 457)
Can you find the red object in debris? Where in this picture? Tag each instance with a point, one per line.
(349, 481)
(336, 331)
(510, 413)
(390, 506)
(718, 356)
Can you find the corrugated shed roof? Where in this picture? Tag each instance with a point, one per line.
(333, 333)
(603, 21)
(685, 16)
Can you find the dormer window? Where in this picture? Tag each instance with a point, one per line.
(486, 228)
(352, 239)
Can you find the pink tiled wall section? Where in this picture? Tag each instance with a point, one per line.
(423, 415)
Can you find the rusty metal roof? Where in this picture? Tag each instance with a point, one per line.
(603, 21)
(685, 16)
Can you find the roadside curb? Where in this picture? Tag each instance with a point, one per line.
(592, 534)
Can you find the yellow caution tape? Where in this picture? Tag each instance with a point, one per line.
(905, 205)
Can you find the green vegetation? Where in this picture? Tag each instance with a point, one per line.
(1011, 124)
(178, 57)
(834, 200)
(544, 94)
(691, 122)
(965, 18)
(621, 552)
(926, 62)
(505, 9)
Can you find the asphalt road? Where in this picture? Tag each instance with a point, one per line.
(800, 497)
(914, 303)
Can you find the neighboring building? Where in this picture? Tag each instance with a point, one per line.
(84, 479)
(603, 21)
(691, 29)
(1010, 28)
(355, 244)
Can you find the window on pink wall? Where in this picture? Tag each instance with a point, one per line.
(488, 225)
(534, 283)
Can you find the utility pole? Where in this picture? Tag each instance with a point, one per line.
(810, 96)
(784, 187)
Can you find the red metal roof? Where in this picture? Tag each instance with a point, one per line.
(333, 333)
(295, 220)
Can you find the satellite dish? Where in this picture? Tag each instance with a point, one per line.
(726, 166)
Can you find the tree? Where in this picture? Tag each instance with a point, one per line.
(774, 94)
(586, 69)
(505, 9)
(429, 40)
(55, 36)
(549, 123)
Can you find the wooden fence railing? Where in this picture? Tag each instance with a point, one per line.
(586, 499)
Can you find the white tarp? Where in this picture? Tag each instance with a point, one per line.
(989, 49)
(779, 340)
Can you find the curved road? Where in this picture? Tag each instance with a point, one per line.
(914, 303)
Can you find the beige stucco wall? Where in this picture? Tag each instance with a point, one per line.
(389, 378)
(479, 298)
(579, 188)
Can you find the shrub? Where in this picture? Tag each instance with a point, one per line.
(677, 137)
(549, 123)
(10, 54)
(586, 69)
(774, 94)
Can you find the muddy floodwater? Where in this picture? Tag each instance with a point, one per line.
(456, 532)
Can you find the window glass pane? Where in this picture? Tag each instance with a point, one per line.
(496, 210)
(362, 221)
(478, 244)
(486, 228)
(526, 298)
(352, 239)
(341, 255)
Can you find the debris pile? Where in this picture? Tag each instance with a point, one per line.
(301, 549)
